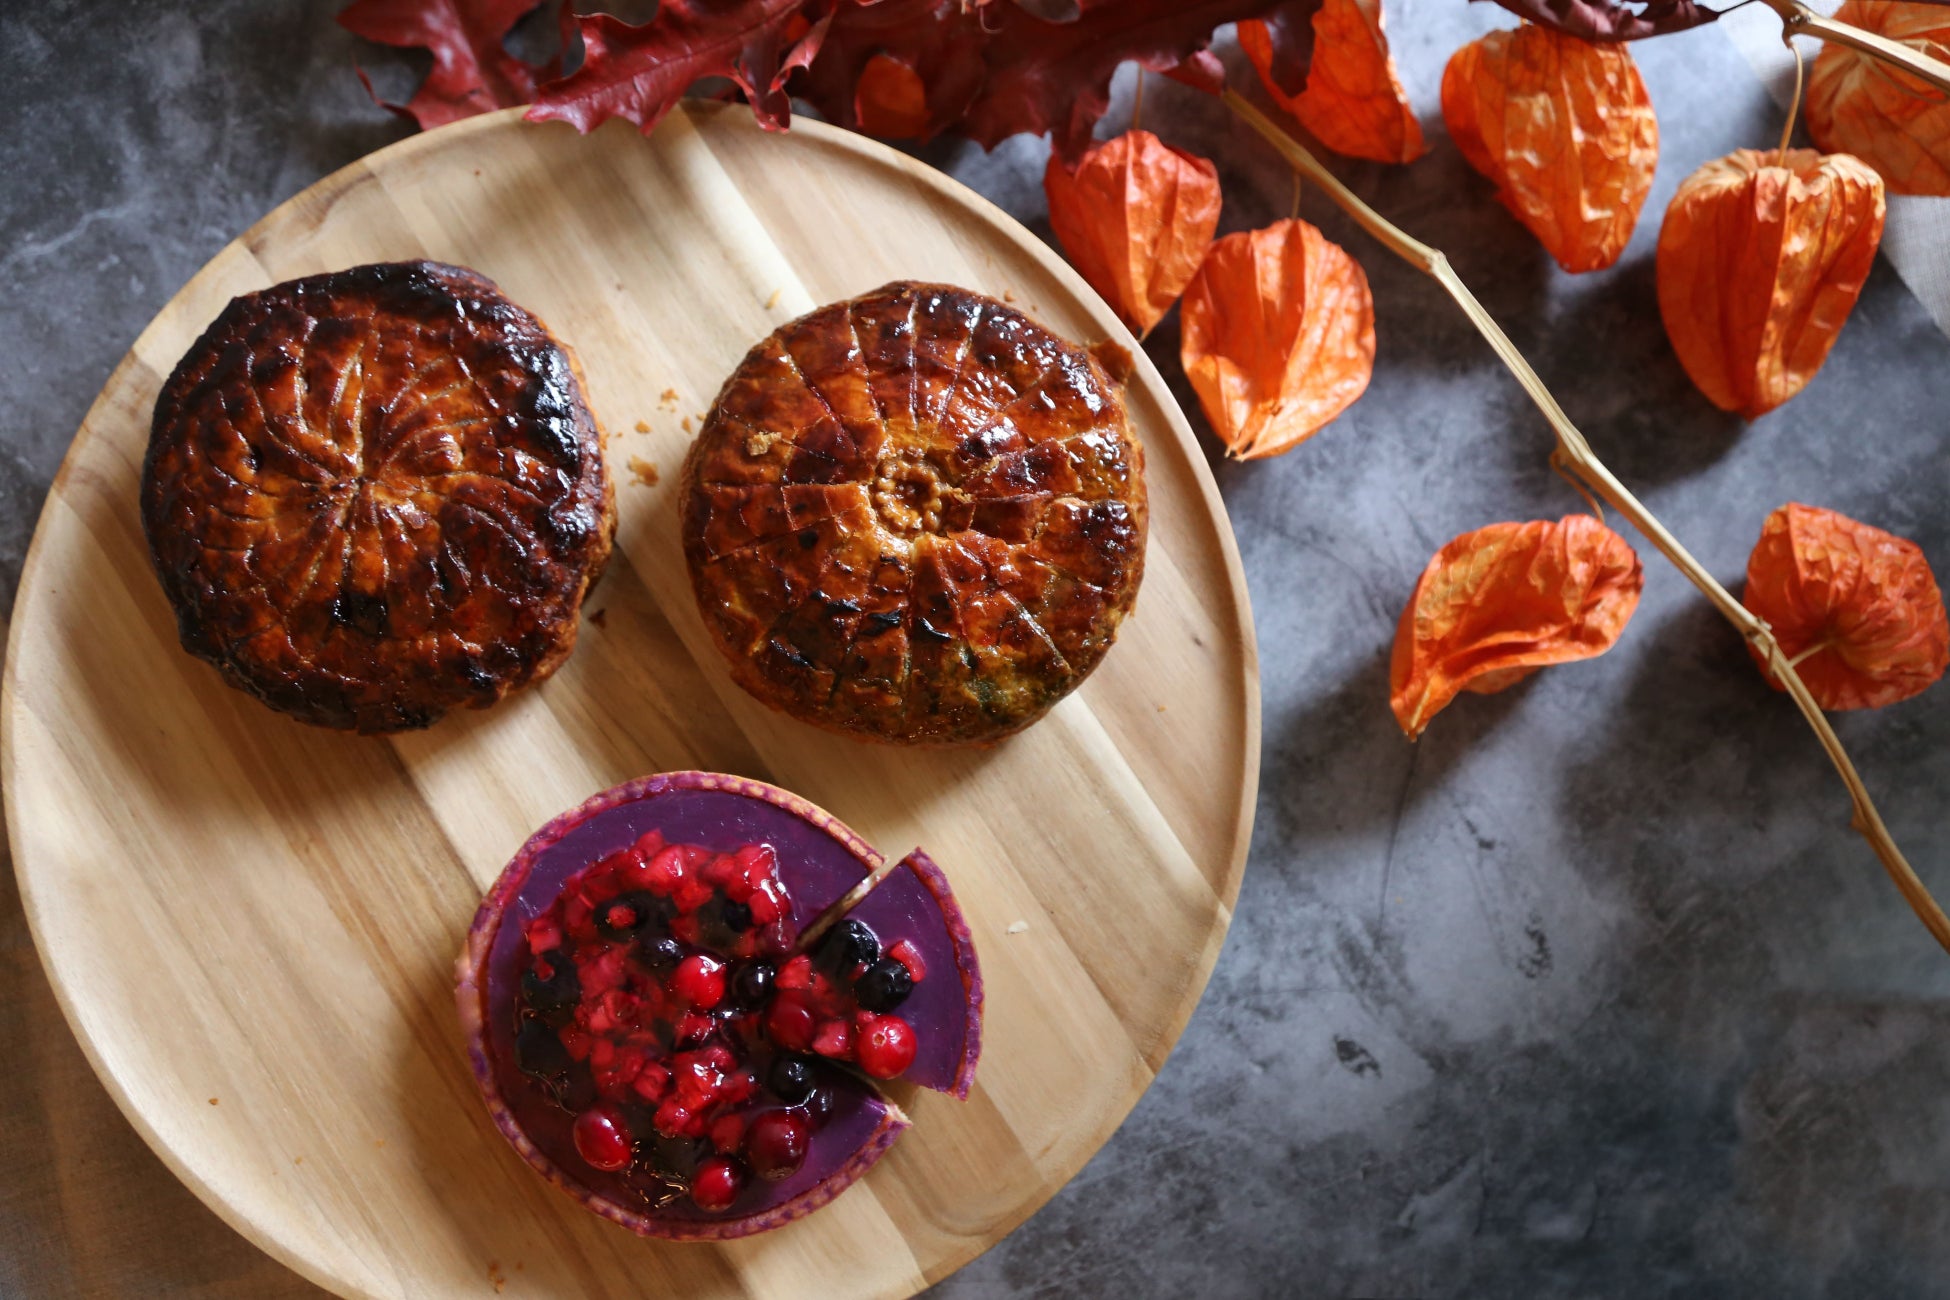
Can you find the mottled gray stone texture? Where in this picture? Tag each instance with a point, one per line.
(1592, 992)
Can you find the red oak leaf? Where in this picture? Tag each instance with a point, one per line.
(1613, 20)
(1055, 77)
(637, 73)
(472, 71)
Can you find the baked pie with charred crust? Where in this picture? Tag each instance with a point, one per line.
(916, 516)
(376, 495)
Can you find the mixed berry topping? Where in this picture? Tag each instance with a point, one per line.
(666, 1003)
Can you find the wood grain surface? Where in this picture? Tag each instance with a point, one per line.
(251, 924)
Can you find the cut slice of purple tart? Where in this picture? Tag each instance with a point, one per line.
(680, 999)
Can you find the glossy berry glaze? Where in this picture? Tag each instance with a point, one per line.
(653, 1035)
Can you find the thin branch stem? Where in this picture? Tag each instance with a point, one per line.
(1797, 19)
(1137, 100)
(1584, 462)
(1809, 653)
(1794, 104)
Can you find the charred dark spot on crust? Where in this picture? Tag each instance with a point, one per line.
(376, 495)
(1000, 543)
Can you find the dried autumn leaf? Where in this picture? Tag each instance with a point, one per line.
(1277, 336)
(1760, 264)
(1135, 217)
(1353, 102)
(1613, 20)
(1855, 609)
(472, 71)
(1499, 603)
(1858, 104)
(1564, 128)
(996, 68)
(638, 73)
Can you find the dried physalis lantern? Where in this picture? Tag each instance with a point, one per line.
(1353, 101)
(1860, 104)
(1855, 610)
(1761, 259)
(1278, 336)
(1499, 603)
(1135, 217)
(890, 101)
(1564, 128)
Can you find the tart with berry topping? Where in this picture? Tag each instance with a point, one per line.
(377, 495)
(681, 998)
(916, 516)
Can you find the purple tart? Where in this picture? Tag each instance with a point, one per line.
(681, 998)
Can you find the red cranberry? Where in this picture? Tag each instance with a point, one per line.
(603, 1138)
(776, 1144)
(717, 1183)
(699, 980)
(884, 1045)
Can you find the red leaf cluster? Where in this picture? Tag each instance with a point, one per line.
(988, 69)
(472, 71)
(1613, 20)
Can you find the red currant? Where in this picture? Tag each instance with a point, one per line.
(717, 1183)
(776, 1144)
(603, 1139)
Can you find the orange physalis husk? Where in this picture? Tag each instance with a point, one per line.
(1497, 604)
(1760, 264)
(890, 100)
(1564, 128)
(1135, 217)
(1859, 603)
(1278, 336)
(1353, 101)
(1860, 105)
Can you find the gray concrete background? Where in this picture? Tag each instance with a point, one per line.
(1590, 993)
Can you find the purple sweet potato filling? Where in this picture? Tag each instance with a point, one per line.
(820, 860)
(912, 902)
(817, 870)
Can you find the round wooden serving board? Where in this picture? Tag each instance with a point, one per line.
(252, 924)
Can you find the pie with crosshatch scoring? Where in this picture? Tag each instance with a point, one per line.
(916, 516)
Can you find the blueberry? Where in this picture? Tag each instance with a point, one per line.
(737, 917)
(626, 914)
(819, 1106)
(539, 1052)
(677, 1157)
(883, 985)
(553, 999)
(848, 944)
(751, 987)
(790, 1079)
(661, 955)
